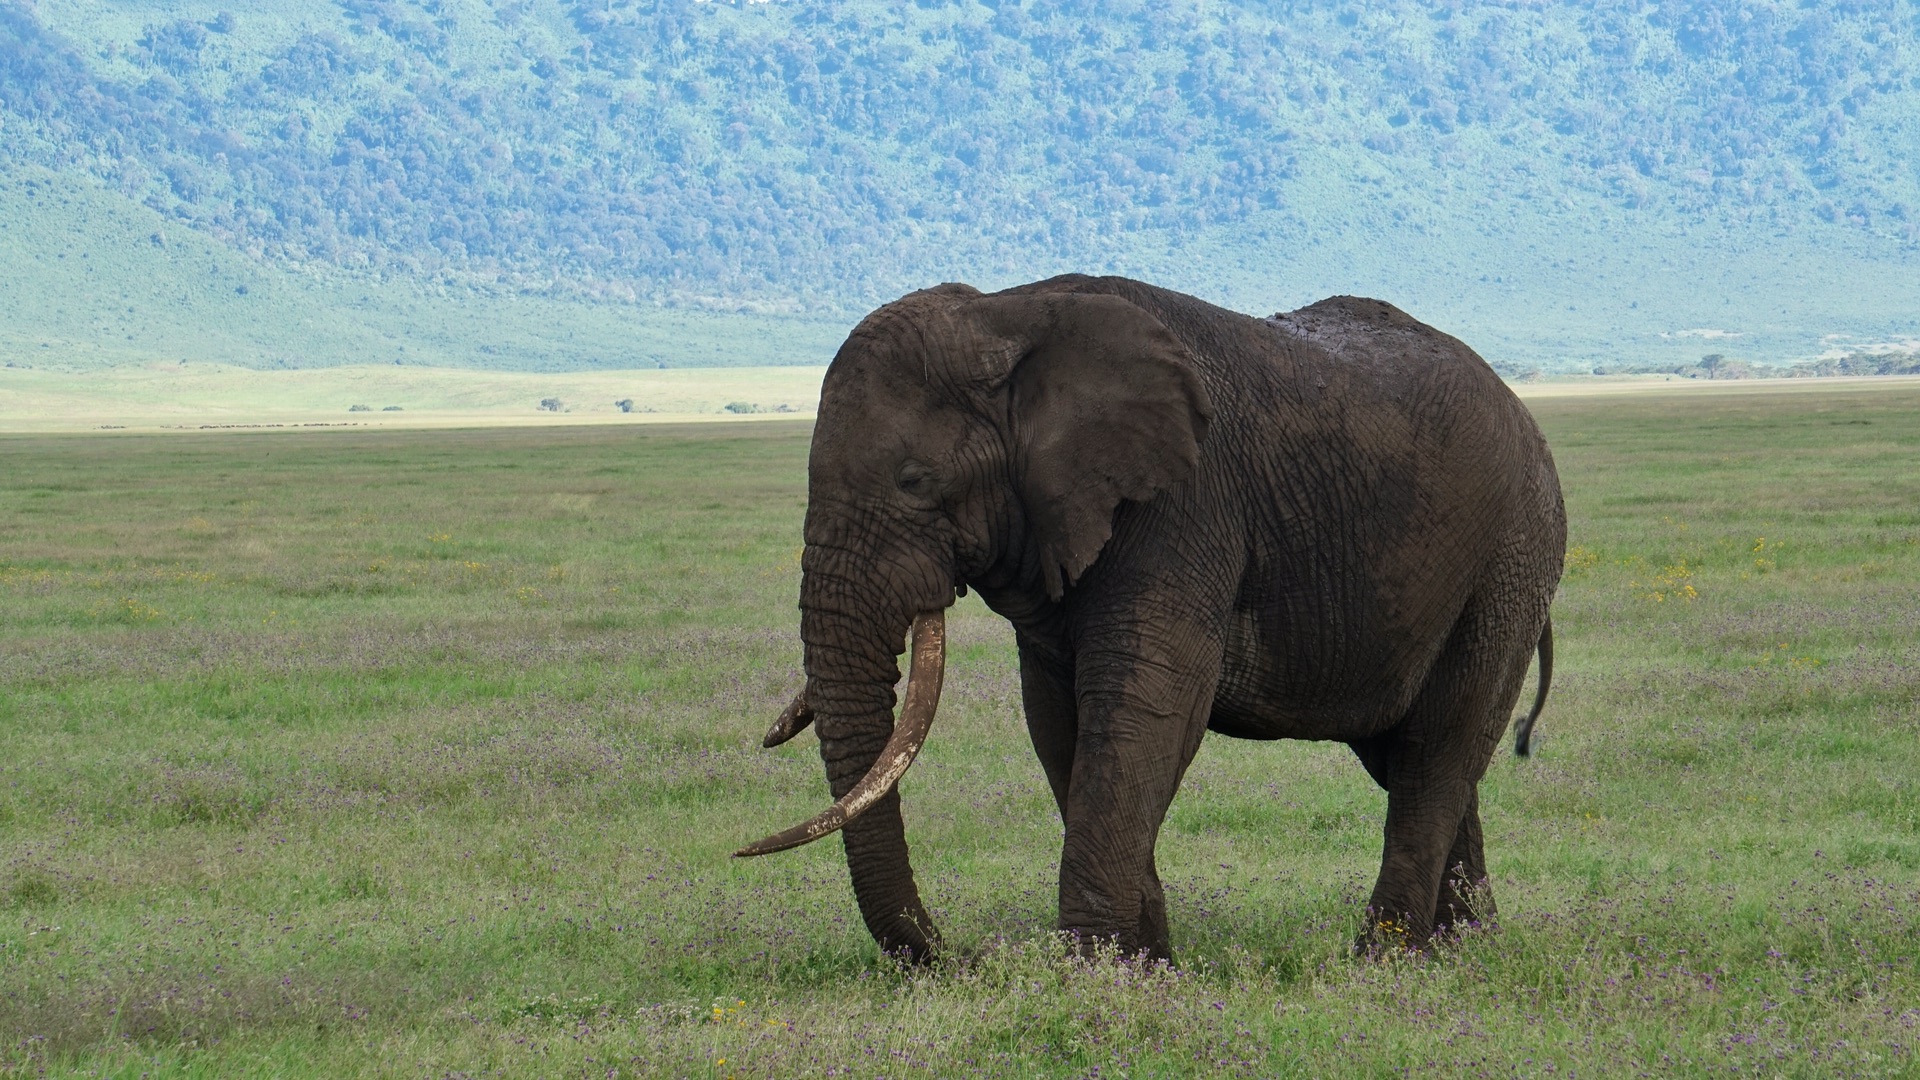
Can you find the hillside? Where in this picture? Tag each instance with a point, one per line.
(94, 279)
(1565, 186)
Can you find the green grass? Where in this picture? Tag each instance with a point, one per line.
(404, 753)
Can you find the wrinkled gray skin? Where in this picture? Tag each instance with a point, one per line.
(1333, 524)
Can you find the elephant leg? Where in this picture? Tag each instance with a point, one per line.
(1430, 765)
(1046, 691)
(1465, 895)
(1140, 723)
(1153, 916)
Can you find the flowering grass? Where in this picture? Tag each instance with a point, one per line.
(412, 753)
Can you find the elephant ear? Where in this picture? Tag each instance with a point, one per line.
(1105, 404)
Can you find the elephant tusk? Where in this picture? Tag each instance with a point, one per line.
(793, 720)
(929, 663)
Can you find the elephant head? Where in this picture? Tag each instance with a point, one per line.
(963, 439)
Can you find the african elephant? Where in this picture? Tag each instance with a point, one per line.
(1335, 524)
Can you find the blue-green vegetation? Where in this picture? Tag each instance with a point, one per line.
(1567, 186)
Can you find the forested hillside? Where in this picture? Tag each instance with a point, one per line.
(824, 156)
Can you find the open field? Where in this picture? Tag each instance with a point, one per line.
(1570, 386)
(202, 396)
(193, 397)
(406, 753)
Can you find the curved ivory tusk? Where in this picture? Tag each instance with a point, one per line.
(909, 734)
(793, 720)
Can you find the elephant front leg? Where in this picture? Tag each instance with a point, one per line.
(1140, 724)
(1153, 932)
(1046, 692)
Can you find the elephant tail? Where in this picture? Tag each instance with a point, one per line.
(1523, 725)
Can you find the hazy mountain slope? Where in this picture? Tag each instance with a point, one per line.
(94, 279)
(826, 156)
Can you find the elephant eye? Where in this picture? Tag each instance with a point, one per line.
(918, 481)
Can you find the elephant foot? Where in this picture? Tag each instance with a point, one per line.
(1393, 935)
(1146, 938)
(1466, 902)
(1094, 945)
(1152, 936)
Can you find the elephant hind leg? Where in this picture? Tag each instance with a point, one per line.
(1465, 895)
(1430, 765)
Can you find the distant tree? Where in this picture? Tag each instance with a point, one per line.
(174, 47)
(1514, 372)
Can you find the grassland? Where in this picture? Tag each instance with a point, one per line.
(404, 753)
(194, 397)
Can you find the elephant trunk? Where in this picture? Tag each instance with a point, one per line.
(851, 621)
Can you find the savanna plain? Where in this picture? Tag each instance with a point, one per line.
(422, 752)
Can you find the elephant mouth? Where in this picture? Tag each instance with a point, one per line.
(924, 677)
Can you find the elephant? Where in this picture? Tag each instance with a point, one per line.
(1336, 523)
